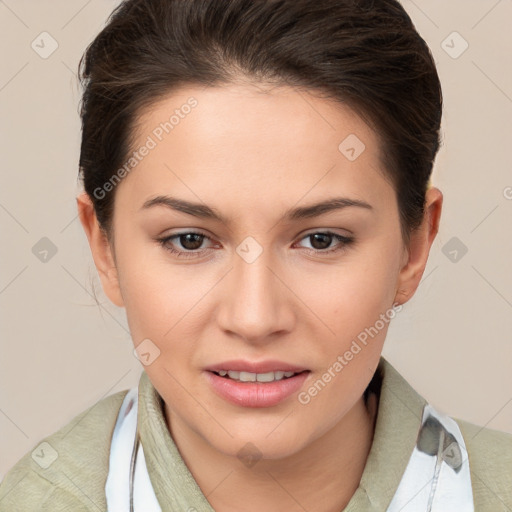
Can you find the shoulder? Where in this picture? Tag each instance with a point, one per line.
(66, 470)
(490, 460)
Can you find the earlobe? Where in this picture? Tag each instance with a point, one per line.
(419, 248)
(100, 249)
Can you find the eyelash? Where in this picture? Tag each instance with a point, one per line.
(345, 241)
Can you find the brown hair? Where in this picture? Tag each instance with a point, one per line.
(365, 53)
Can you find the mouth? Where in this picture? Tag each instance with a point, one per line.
(242, 376)
(267, 385)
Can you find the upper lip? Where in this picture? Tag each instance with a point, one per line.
(240, 365)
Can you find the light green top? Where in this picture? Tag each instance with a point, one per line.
(75, 480)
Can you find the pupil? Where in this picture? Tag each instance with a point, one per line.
(326, 238)
(191, 236)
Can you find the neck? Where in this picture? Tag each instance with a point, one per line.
(321, 477)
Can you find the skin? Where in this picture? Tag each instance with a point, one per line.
(251, 153)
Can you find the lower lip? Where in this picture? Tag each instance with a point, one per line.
(256, 394)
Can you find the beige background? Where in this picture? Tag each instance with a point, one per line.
(60, 353)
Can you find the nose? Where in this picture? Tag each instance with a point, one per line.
(256, 304)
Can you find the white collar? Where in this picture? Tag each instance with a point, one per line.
(125, 450)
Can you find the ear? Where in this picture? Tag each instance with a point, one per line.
(100, 248)
(416, 255)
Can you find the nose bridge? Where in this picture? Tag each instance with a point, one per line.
(255, 306)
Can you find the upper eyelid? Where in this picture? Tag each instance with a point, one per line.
(327, 231)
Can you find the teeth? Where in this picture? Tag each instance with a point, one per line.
(247, 377)
(253, 377)
(269, 377)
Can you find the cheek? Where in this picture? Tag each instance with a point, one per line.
(358, 309)
(158, 308)
(153, 298)
(166, 304)
(353, 296)
(369, 292)
(156, 293)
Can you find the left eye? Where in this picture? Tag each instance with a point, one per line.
(322, 240)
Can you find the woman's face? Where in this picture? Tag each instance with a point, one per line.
(257, 286)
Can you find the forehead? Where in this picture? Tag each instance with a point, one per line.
(254, 143)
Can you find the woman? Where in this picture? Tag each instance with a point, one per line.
(257, 196)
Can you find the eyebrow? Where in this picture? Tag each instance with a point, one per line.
(293, 214)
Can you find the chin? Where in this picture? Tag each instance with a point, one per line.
(253, 441)
(250, 450)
